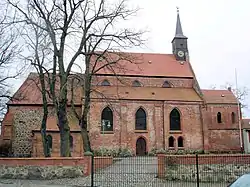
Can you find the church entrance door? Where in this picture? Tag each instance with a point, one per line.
(141, 147)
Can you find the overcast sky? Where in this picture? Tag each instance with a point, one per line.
(218, 32)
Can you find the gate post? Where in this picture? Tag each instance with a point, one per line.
(92, 170)
(161, 166)
(197, 170)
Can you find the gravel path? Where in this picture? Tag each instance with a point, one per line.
(125, 172)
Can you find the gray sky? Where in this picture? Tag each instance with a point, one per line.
(219, 36)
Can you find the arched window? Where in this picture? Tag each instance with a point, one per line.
(180, 142)
(166, 84)
(233, 117)
(175, 121)
(219, 117)
(107, 120)
(49, 139)
(140, 120)
(136, 83)
(71, 141)
(171, 141)
(105, 83)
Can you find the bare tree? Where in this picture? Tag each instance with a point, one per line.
(38, 44)
(90, 26)
(241, 93)
(10, 69)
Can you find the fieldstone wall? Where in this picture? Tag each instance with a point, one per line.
(207, 173)
(24, 122)
(40, 172)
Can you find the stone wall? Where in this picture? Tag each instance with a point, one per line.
(207, 173)
(50, 168)
(24, 122)
(215, 168)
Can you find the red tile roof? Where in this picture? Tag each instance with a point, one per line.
(219, 96)
(143, 64)
(146, 93)
(29, 92)
(246, 123)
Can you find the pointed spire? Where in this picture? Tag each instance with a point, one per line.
(178, 31)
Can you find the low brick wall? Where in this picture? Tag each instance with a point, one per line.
(225, 159)
(84, 162)
(102, 162)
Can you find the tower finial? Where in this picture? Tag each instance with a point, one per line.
(179, 32)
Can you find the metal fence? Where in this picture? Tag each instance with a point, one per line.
(179, 171)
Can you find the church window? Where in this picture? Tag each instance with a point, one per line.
(105, 83)
(140, 120)
(136, 83)
(171, 141)
(166, 84)
(219, 117)
(233, 117)
(107, 120)
(175, 121)
(180, 141)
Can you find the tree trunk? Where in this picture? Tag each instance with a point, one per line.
(64, 129)
(84, 117)
(85, 136)
(46, 150)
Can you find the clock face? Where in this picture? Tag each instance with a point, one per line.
(180, 53)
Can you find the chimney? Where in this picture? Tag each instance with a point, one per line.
(229, 89)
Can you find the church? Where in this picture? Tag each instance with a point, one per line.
(159, 105)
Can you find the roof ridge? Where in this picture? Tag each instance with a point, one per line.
(215, 90)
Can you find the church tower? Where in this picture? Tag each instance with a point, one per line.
(179, 43)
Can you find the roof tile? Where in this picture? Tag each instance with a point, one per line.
(143, 64)
(146, 93)
(219, 96)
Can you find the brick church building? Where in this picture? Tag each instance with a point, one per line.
(160, 106)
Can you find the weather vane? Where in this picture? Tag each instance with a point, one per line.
(177, 9)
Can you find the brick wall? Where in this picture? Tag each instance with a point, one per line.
(164, 160)
(221, 136)
(199, 129)
(85, 162)
(191, 125)
(124, 134)
(37, 148)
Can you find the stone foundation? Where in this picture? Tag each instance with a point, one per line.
(40, 172)
(207, 173)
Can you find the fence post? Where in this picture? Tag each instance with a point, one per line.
(197, 170)
(92, 170)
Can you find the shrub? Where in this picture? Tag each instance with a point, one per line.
(125, 153)
(113, 152)
(5, 149)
